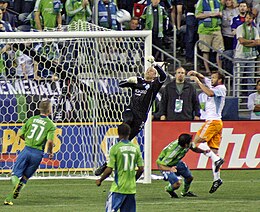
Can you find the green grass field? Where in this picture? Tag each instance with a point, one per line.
(239, 192)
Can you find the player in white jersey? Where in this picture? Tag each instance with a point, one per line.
(210, 134)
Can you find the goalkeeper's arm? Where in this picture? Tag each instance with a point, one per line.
(162, 74)
(131, 82)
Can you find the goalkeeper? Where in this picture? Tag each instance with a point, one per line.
(37, 132)
(144, 91)
(171, 166)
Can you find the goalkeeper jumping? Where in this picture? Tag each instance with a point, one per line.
(144, 91)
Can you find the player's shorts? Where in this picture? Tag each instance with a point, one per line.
(27, 162)
(182, 170)
(211, 131)
(124, 202)
(215, 40)
(136, 123)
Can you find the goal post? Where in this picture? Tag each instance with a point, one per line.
(79, 72)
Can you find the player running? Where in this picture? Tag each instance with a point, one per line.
(37, 132)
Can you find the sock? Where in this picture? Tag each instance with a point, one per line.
(15, 180)
(186, 186)
(211, 154)
(24, 181)
(169, 187)
(216, 175)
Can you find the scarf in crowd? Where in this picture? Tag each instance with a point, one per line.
(149, 19)
(249, 35)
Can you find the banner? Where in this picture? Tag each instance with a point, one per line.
(75, 146)
(19, 97)
(239, 146)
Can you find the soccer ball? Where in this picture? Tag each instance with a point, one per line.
(150, 59)
(123, 16)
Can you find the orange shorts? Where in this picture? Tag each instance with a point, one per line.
(211, 131)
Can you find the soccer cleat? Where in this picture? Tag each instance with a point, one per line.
(8, 202)
(101, 169)
(215, 185)
(218, 164)
(172, 193)
(188, 194)
(17, 190)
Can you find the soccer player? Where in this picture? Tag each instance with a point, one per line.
(171, 165)
(37, 132)
(144, 91)
(210, 134)
(124, 156)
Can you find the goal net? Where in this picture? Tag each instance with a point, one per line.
(79, 72)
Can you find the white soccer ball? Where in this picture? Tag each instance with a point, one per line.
(123, 16)
(150, 59)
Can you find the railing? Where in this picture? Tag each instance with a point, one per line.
(242, 71)
(173, 55)
(244, 80)
(196, 56)
(168, 55)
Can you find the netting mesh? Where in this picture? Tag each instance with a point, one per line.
(80, 76)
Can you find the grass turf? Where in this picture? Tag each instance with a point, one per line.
(240, 192)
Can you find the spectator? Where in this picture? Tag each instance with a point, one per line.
(126, 5)
(24, 6)
(78, 10)
(25, 9)
(8, 16)
(191, 30)
(237, 21)
(107, 14)
(256, 11)
(246, 52)
(133, 24)
(253, 103)
(209, 14)
(179, 100)
(155, 18)
(4, 27)
(177, 6)
(50, 20)
(25, 66)
(50, 52)
(229, 12)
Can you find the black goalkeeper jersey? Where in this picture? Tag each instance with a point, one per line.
(144, 93)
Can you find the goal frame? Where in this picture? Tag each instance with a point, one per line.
(146, 34)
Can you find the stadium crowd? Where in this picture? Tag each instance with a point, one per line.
(216, 22)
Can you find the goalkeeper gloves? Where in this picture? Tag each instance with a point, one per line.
(151, 60)
(132, 80)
